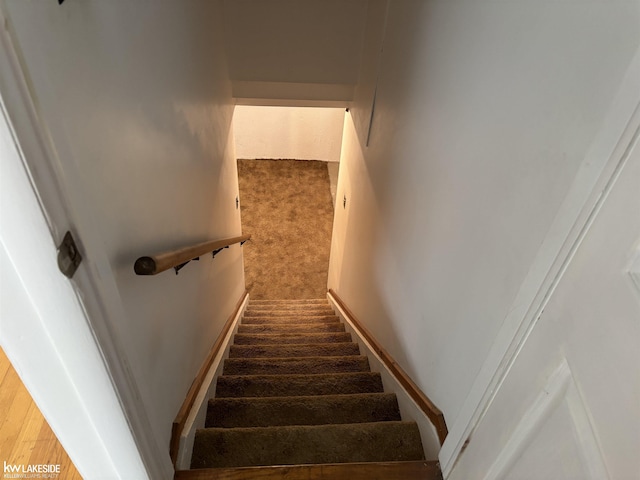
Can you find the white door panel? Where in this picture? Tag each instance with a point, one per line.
(569, 406)
(554, 439)
(554, 445)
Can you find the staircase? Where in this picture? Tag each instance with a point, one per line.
(295, 390)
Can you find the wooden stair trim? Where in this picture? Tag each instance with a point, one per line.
(181, 418)
(421, 470)
(434, 414)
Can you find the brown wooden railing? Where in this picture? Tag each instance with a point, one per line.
(177, 259)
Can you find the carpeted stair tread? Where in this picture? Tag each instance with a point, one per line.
(308, 410)
(306, 444)
(308, 350)
(289, 311)
(294, 385)
(289, 320)
(286, 305)
(305, 365)
(290, 338)
(303, 301)
(291, 328)
(295, 390)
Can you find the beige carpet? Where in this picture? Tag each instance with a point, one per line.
(302, 403)
(286, 206)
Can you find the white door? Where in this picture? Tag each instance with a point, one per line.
(569, 408)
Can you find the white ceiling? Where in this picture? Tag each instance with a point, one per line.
(315, 45)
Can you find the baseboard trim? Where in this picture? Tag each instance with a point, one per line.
(423, 402)
(181, 418)
(335, 471)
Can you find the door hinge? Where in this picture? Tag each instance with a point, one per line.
(69, 257)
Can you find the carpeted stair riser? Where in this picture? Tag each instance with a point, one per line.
(291, 320)
(293, 328)
(290, 338)
(284, 366)
(291, 445)
(309, 301)
(295, 390)
(253, 311)
(289, 314)
(282, 351)
(314, 410)
(295, 385)
(290, 306)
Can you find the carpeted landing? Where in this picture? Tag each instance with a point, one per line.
(295, 390)
(286, 206)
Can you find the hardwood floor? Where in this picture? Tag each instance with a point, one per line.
(25, 436)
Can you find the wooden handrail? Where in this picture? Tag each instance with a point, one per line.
(155, 264)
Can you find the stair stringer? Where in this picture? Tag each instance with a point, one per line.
(409, 409)
(198, 413)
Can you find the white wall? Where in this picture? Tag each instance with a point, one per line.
(311, 47)
(484, 112)
(137, 103)
(301, 133)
